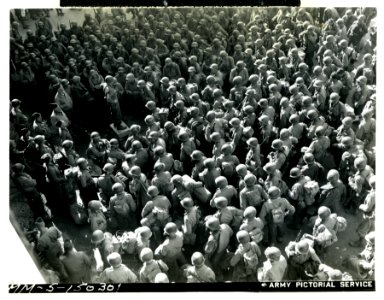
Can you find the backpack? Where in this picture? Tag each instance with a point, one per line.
(250, 258)
(121, 207)
(311, 189)
(277, 214)
(341, 224)
(128, 242)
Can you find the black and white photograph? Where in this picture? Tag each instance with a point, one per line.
(194, 145)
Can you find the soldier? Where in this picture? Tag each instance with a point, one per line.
(216, 246)
(117, 272)
(358, 184)
(87, 186)
(105, 183)
(279, 156)
(302, 260)
(76, 263)
(274, 268)
(252, 194)
(199, 271)
(273, 213)
(245, 259)
(50, 245)
(151, 268)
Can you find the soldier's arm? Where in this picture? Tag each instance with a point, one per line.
(289, 207)
(368, 204)
(131, 203)
(236, 258)
(243, 200)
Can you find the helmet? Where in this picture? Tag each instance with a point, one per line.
(241, 168)
(250, 91)
(197, 259)
(39, 139)
(183, 135)
(221, 180)
(212, 224)
(253, 142)
(146, 255)
(272, 252)
(135, 128)
(187, 202)
(334, 96)
(294, 118)
(150, 104)
(18, 167)
(117, 188)
(197, 155)
(250, 212)
(94, 205)
(226, 148)
(302, 247)
(277, 144)
(170, 227)
(164, 80)
(359, 163)
(295, 173)
(209, 162)
(153, 191)
(221, 202)
(250, 179)
(234, 122)
(242, 236)
(273, 192)
(135, 171)
(194, 111)
(308, 157)
(311, 114)
(97, 237)
(362, 79)
(215, 136)
(159, 166)
(323, 211)
(108, 167)
(114, 259)
(144, 232)
(176, 179)
(94, 134)
(263, 102)
(159, 150)
(269, 167)
(169, 126)
(347, 121)
(347, 141)
(264, 119)
(333, 174)
(161, 278)
(81, 161)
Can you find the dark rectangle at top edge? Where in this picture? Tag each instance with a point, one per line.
(173, 3)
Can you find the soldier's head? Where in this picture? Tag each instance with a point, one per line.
(114, 259)
(221, 182)
(221, 202)
(323, 213)
(197, 259)
(273, 254)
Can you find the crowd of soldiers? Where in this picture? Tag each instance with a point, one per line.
(231, 127)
